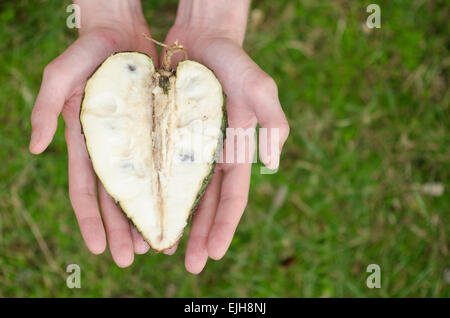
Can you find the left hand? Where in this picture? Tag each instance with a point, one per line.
(252, 96)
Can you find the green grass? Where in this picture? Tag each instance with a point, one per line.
(370, 125)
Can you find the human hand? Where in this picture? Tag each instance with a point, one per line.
(107, 26)
(212, 33)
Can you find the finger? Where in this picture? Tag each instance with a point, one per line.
(202, 220)
(117, 230)
(59, 80)
(82, 189)
(172, 250)
(262, 94)
(44, 117)
(233, 199)
(148, 47)
(139, 244)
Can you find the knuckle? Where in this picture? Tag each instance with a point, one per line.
(259, 83)
(285, 130)
(85, 192)
(50, 70)
(268, 85)
(285, 125)
(35, 112)
(70, 114)
(239, 200)
(53, 72)
(47, 71)
(109, 37)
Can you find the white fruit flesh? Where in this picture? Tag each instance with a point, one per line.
(150, 148)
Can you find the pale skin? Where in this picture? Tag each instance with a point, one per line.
(212, 32)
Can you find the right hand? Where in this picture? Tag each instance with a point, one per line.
(61, 91)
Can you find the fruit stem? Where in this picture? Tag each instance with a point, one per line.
(170, 50)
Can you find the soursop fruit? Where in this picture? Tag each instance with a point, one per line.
(153, 137)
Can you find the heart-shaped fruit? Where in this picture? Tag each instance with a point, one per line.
(153, 137)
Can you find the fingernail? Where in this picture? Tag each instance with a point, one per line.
(266, 161)
(34, 137)
(170, 251)
(273, 162)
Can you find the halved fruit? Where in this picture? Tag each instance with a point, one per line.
(153, 137)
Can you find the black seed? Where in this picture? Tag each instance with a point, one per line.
(127, 165)
(131, 67)
(187, 157)
(110, 125)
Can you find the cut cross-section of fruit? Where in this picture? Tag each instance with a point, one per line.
(153, 137)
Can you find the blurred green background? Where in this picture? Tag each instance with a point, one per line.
(364, 178)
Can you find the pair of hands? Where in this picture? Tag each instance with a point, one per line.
(251, 97)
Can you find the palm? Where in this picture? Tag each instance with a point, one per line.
(248, 90)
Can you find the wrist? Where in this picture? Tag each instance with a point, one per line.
(123, 16)
(223, 18)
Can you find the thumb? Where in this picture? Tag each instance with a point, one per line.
(61, 77)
